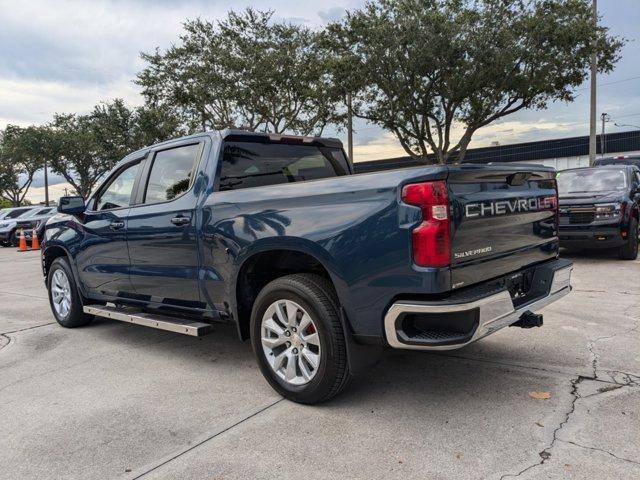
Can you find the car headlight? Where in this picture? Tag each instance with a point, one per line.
(4, 225)
(607, 211)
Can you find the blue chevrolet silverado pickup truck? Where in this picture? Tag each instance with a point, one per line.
(320, 268)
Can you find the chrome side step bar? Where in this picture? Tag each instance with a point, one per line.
(153, 320)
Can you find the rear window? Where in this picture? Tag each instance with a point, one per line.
(591, 180)
(250, 164)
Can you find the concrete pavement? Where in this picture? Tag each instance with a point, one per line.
(120, 401)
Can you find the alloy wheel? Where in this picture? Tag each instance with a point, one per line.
(61, 293)
(290, 342)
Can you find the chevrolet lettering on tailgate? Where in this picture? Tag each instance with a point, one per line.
(503, 207)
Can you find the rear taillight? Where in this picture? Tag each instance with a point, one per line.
(432, 238)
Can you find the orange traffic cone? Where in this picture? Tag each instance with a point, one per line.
(23, 242)
(35, 244)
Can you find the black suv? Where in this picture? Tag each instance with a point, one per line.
(619, 160)
(599, 208)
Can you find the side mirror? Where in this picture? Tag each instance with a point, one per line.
(71, 205)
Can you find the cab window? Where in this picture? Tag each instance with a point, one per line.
(117, 193)
(171, 173)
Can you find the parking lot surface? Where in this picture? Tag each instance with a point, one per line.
(114, 400)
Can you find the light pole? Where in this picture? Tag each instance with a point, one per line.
(46, 184)
(603, 145)
(592, 109)
(349, 128)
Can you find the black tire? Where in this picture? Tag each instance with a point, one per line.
(629, 251)
(317, 296)
(75, 316)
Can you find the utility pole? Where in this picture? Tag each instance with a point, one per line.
(592, 109)
(349, 128)
(46, 184)
(603, 144)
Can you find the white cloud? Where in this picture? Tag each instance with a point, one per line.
(26, 102)
(37, 195)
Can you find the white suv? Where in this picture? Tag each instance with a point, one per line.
(10, 217)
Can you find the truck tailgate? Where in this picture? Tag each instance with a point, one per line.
(503, 218)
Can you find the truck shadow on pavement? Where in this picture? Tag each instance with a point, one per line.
(413, 376)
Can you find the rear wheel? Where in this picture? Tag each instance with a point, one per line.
(64, 298)
(629, 251)
(298, 339)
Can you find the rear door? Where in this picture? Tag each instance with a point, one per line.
(503, 219)
(162, 228)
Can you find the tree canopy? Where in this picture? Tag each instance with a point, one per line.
(22, 153)
(433, 72)
(246, 71)
(84, 147)
(418, 67)
(80, 147)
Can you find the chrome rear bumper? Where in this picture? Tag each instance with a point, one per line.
(494, 312)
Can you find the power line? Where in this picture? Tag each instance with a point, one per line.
(611, 83)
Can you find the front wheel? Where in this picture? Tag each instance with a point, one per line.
(298, 339)
(64, 297)
(629, 251)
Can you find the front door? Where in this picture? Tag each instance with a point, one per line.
(102, 258)
(162, 229)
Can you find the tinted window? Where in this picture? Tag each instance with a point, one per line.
(247, 164)
(17, 213)
(591, 180)
(171, 173)
(118, 193)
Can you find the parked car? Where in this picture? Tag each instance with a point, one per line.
(318, 267)
(8, 222)
(31, 223)
(599, 208)
(619, 160)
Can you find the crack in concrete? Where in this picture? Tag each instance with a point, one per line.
(23, 295)
(629, 380)
(595, 357)
(600, 450)
(27, 328)
(4, 341)
(205, 440)
(545, 454)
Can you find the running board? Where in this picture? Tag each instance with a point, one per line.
(153, 320)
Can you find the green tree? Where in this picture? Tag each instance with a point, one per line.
(245, 71)
(21, 156)
(83, 148)
(419, 67)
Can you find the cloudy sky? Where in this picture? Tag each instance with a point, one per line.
(66, 56)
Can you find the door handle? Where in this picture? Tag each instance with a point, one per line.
(116, 225)
(180, 220)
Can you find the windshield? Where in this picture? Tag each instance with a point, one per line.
(591, 180)
(18, 212)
